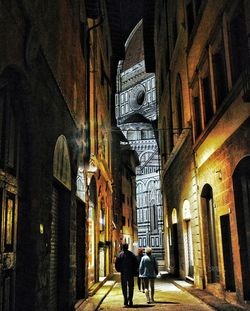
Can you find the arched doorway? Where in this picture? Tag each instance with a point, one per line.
(209, 234)
(92, 232)
(102, 240)
(60, 227)
(175, 245)
(241, 184)
(187, 236)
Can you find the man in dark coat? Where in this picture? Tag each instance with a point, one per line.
(126, 263)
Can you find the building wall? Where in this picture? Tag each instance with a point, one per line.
(43, 71)
(210, 62)
(100, 140)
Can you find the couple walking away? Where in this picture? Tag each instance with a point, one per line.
(129, 265)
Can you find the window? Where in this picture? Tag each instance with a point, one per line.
(126, 96)
(197, 111)
(238, 41)
(144, 134)
(153, 93)
(178, 99)
(153, 82)
(154, 217)
(149, 85)
(219, 70)
(207, 98)
(149, 97)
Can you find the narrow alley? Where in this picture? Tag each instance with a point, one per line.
(124, 133)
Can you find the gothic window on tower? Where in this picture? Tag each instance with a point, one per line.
(153, 82)
(153, 93)
(149, 97)
(154, 217)
(149, 85)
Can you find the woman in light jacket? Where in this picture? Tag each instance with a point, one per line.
(148, 271)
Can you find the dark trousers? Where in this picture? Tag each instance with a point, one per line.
(127, 288)
(140, 283)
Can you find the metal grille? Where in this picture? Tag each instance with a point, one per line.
(53, 251)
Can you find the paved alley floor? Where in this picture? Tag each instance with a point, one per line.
(167, 297)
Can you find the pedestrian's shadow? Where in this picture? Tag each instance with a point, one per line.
(141, 305)
(166, 302)
(153, 303)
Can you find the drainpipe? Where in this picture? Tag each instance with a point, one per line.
(88, 83)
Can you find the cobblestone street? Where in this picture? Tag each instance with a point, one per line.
(167, 297)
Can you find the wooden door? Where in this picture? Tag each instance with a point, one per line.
(8, 219)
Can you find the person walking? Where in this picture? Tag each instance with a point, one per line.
(126, 263)
(148, 271)
(140, 282)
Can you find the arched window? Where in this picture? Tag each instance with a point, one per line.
(186, 210)
(174, 216)
(61, 162)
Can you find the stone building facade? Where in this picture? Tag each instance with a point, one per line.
(42, 74)
(55, 154)
(136, 111)
(203, 93)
